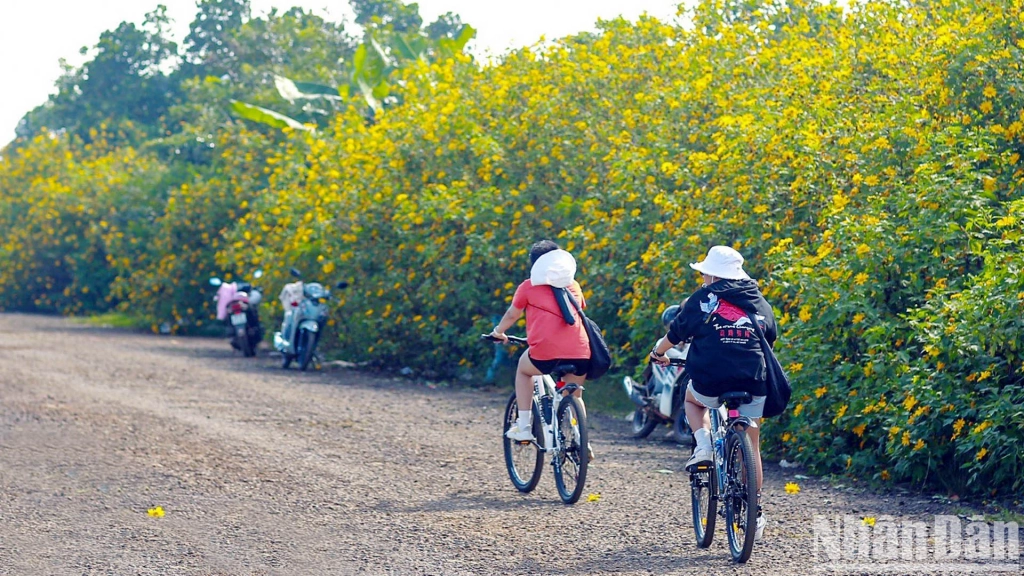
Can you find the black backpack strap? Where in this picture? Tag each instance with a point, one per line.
(561, 295)
(575, 304)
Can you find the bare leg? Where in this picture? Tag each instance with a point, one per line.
(696, 413)
(575, 379)
(524, 382)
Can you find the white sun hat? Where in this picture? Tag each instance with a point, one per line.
(556, 268)
(722, 262)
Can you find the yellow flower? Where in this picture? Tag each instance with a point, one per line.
(957, 427)
(919, 444)
(595, 497)
(981, 454)
(858, 317)
(859, 429)
(805, 314)
(989, 91)
(792, 488)
(157, 512)
(985, 107)
(909, 403)
(868, 521)
(863, 249)
(819, 392)
(885, 475)
(860, 278)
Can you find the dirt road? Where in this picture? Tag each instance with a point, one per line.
(265, 471)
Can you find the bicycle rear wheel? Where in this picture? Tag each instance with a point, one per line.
(524, 460)
(704, 497)
(572, 458)
(740, 495)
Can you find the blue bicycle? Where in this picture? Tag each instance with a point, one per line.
(731, 477)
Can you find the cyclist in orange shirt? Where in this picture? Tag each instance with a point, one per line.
(552, 341)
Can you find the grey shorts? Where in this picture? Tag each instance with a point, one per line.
(753, 410)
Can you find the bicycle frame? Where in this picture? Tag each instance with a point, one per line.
(545, 387)
(720, 430)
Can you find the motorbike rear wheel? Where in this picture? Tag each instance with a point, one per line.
(643, 423)
(681, 428)
(244, 344)
(304, 347)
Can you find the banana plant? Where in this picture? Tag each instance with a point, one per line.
(371, 66)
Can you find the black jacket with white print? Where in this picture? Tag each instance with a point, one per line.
(725, 353)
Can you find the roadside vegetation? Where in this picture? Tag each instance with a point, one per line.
(866, 160)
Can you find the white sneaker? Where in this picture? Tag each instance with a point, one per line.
(515, 433)
(700, 456)
(759, 532)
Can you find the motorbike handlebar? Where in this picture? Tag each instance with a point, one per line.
(511, 339)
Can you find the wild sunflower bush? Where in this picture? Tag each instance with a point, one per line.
(866, 160)
(63, 205)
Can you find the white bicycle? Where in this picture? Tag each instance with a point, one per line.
(566, 442)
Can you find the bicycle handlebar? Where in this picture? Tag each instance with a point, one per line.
(511, 339)
(673, 361)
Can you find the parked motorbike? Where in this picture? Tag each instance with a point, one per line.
(660, 394)
(305, 315)
(237, 306)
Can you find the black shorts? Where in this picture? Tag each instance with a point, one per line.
(546, 366)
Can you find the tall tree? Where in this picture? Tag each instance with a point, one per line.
(124, 81)
(447, 25)
(397, 15)
(209, 46)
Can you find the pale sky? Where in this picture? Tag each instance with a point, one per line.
(36, 34)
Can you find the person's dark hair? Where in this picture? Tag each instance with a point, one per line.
(541, 248)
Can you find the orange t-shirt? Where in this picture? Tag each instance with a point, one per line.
(549, 337)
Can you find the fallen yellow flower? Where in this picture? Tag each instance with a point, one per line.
(792, 488)
(594, 497)
(157, 512)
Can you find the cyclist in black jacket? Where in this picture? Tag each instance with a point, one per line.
(725, 352)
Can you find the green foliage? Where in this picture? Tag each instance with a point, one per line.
(866, 160)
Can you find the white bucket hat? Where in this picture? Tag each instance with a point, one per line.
(556, 268)
(722, 262)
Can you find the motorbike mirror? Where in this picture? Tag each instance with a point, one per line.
(341, 285)
(257, 274)
(296, 273)
(215, 281)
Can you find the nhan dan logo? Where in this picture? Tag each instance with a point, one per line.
(888, 544)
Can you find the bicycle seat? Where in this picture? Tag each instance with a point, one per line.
(735, 398)
(563, 369)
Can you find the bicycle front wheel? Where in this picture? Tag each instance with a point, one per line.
(573, 456)
(704, 497)
(741, 495)
(524, 460)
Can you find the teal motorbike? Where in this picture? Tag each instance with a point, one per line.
(305, 317)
